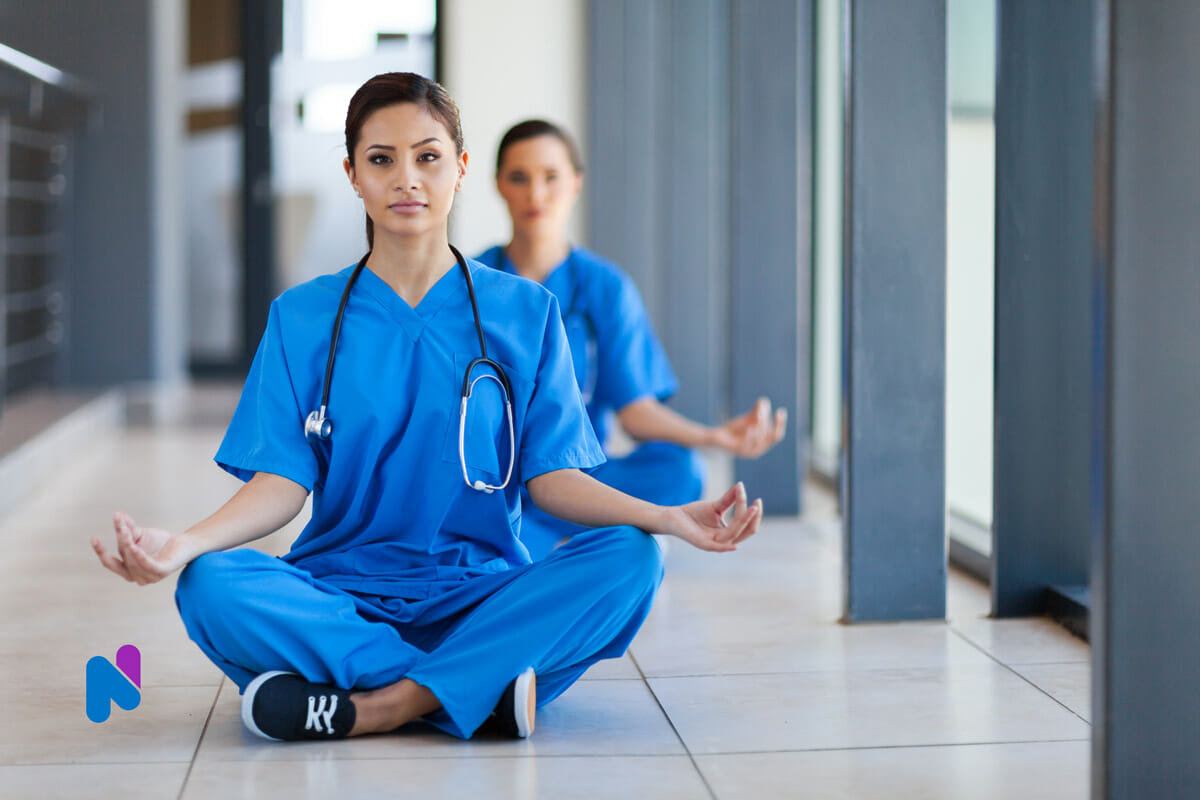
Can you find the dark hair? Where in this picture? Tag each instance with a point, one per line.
(532, 128)
(393, 88)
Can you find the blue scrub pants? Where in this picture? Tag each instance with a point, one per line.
(658, 472)
(250, 613)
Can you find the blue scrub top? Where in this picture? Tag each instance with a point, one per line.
(617, 356)
(391, 514)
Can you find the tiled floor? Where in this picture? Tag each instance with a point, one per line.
(741, 685)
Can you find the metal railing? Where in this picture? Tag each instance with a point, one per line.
(40, 107)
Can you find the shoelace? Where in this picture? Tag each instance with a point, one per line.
(317, 711)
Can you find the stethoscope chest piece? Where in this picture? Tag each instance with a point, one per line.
(318, 425)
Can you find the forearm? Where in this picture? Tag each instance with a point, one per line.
(262, 506)
(647, 419)
(578, 497)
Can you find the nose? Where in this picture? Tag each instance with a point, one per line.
(537, 191)
(405, 178)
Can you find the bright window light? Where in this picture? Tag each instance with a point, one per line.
(325, 106)
(337, 30)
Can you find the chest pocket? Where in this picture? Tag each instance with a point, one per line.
(486, 444)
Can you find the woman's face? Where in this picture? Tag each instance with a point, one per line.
(406, 170)
(539, 184)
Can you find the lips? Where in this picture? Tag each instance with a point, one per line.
(406, 207)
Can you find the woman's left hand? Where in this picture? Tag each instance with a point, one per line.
(753, 433)
(702, 524)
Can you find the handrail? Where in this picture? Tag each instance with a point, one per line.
(43, 72)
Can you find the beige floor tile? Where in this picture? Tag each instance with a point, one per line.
(93, 781)
(597, 778)
(967, 598)
(763, 642)
(804, 599)
(593, 718)
(1069, 684)
(1042, 771)
(609, 669)
(167, 661)
(55, 729)
(867, 708)
(1025, 641)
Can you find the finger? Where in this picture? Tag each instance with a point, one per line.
(730, 531)
(149, 569)
(745, 524)
(109, 561)
(781, 417)
(762, 411)
(130, 550)
(728, 499)
(752, 525)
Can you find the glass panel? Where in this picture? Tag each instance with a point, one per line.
(970, 228)
(827, 244)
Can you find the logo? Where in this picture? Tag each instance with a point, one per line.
(108, 684)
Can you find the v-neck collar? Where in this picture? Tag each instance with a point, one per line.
(413, 320)
(559, 281)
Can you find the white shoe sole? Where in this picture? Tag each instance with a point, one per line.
(525, 700)
(248, 702)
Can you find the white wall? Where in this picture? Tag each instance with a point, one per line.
(504, 62)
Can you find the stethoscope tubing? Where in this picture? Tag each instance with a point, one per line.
(319, 424)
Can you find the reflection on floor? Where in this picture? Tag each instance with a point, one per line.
(741, 685)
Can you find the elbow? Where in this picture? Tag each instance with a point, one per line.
(547, 489)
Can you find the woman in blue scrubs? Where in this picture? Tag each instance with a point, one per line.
(410, 594)
(621, 367)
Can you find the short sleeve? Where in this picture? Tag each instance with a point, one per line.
(631, 362)
(557, 433)
(267, 430)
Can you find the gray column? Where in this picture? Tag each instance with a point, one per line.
(1146, 574)
(770, 231)
(694, 240)
(1044, 151)
(894, 311)
(261, 21)
(624, 217)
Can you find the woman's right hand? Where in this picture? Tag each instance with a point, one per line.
(144, 555)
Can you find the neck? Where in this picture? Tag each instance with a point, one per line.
(536, 257)
(411, 265)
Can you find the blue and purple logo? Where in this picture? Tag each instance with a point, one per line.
(108, 683)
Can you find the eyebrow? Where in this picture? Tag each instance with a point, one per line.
(421, 143)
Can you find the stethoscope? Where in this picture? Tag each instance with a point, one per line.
(319, 425)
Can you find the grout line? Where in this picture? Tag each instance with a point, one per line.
(671, 722)
(1010, 668)
(917, 746)
(199, 741)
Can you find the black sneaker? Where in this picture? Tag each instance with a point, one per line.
(515, 712)
(282, 706)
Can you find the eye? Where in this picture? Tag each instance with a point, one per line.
(379, 158)
(429, 156)
(551, 177)
(519, 178)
